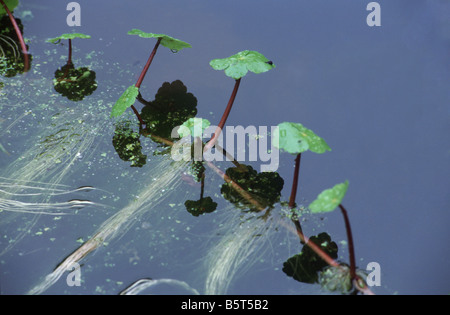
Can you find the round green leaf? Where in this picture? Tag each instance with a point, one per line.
(11, 4)
(68, 36)
(238, 65)
(126, 100)
(167, 41)
(295, 138)
(329, 199)
(194, 127)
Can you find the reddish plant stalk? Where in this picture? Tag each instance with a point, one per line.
(222, 122)
(295, 181)
(147, 65)
(19, 35)
(137, 115)
(351, 247)
(293, 196)
(69, 61)
(202, 187)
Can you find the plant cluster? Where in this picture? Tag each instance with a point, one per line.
(244, 187)
(9, 49)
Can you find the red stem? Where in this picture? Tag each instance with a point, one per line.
(222, 122)
(69, 61)
(137, 115)
(149, 62)
(351, 247)
(19, 35)
(294, 196)
(295, 181)
(202, 187)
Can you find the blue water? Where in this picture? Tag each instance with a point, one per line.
(378, 95)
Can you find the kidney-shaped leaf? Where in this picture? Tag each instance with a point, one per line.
(295, 138)
(238, 65)
(329, 199)
(126, 100)
(67, 36)
(167, 41)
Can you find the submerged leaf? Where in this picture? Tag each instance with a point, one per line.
(172, 106)
(295, 138)
(264, 187)
(12, 61)
(75, 84)
(329, 199)
(126, 100)
(67, 36)
(193, 126)
(202, 206)
(166, 41)
(304, 267)
(128, 146)
(238, 65)
(338, 279)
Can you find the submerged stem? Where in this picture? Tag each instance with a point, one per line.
(202, 186)
(222, 122)
(147, 65)
(295, 181)
(69, 60)
(294, 189)
(351, 247)
(137, 115)
(19, 35)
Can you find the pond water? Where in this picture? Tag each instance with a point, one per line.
(79, 186)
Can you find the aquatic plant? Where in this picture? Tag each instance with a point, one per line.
(129, 96)
(203, 205)
(12, 61)
(264, 187)
(127, 145)
(236, 67)
(73, 83)
(295, 139)
(69, 37)
(305, 267)
(327, 201)
(6, 7)
(239, 239)
(172, 106)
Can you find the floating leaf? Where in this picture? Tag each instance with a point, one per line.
(238, 65)
(194, 127)
(126, 100)
(56, 40)
(167, 41)
(295, 138)
(11, 4)
(329, 199)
